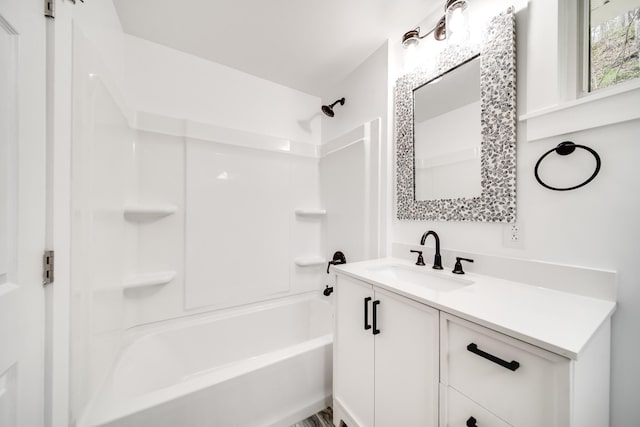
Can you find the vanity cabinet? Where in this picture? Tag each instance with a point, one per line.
(385, 358)
(400, 362)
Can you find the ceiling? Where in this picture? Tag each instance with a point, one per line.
(306, 45)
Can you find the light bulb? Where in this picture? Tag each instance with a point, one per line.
(457, 23)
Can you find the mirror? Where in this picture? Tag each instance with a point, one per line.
(447, 154)
(456, 132)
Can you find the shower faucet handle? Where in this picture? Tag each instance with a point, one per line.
(338, 258)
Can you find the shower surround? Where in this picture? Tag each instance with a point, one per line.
(176, 218)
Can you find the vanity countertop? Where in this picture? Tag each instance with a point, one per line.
(556, 321)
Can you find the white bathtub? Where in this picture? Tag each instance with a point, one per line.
(263, 365)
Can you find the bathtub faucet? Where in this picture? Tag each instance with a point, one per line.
(327, 290)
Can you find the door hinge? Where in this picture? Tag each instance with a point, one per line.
(47, 267)
(50, 8)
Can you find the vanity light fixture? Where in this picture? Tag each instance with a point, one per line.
(453, 25)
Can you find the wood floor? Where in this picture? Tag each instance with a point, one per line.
(323, 418)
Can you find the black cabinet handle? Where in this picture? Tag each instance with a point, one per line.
(473, 348)
(376, 331)
(366, 313)
(471, 422)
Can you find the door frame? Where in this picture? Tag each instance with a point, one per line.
(58, 294)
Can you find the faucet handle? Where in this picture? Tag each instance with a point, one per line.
(457, 269)
(338, 259)
(420, 260)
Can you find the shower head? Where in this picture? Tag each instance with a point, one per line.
(328, 109)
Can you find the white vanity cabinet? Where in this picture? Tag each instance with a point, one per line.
(410, 357)
(385, 358)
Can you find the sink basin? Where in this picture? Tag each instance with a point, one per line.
(437, 281)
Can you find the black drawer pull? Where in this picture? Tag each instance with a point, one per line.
(366, 313)
(473, 348)
(376, 331)
(471, 422)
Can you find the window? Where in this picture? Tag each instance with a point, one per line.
(614, 42)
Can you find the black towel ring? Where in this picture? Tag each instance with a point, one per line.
(563, 149)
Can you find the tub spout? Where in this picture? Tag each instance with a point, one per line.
(327, 290)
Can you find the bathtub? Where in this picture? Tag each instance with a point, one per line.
(267, 364)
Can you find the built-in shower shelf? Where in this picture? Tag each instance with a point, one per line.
(147, 280)
(148, 212)
(310, 261)
(311, 212)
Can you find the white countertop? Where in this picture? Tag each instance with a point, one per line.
(556, 321)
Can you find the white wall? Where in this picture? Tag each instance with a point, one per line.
(367, 97)
(100, 26)
(364, 99)
(175, 84)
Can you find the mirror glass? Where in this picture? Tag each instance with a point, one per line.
(447, 134)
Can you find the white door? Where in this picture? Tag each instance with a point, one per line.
(22, 211)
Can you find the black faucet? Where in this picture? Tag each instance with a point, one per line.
(338, 258)
(437, 259)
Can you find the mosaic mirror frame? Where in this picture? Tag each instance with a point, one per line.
(497, 201)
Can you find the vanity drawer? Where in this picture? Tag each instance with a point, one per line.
(520, 383)
(458, 411)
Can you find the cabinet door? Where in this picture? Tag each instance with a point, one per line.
(353, 352)
(406, 362)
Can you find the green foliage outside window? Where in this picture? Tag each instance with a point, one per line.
(615, 42)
